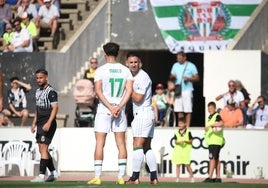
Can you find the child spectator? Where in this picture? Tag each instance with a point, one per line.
(182, 149)
(215, 140)
(17, 99)
(161, 102)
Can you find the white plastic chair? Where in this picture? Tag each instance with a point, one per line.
(14, 154)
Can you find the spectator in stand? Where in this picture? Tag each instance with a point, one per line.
(14, 4)
(39, 3)
(4, 118)
(244, 105)
(5, 16)
(89, 74)
(48, 15)
(160, 98)
(26, 6)
(185, 73)
(233, 93)
(260, 110)
(17, 99)
(22, 40)
(231, 115)
(28, 23)
(8, 35)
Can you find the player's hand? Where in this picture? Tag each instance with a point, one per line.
(33, 129)
(116, 111)
(46, 127)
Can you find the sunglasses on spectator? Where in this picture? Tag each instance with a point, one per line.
(92, 62)
(231, 85)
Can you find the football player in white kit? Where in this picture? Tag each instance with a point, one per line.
(144, 120)
(113, 87)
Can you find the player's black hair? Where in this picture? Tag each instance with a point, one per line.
(181, 53)
(212, 104)
(43, 71)
(14, 78)
(17, 19)
(111, 49)
(182, 119)
(132, 54)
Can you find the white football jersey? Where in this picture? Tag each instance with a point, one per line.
(113, 77)
(143, 85)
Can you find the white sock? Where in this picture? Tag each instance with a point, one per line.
(151, 160)
(42, 176)
(54, 172)
(98, 168)
(122, 163)
(138, 157)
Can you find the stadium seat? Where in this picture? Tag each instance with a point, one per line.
(14, 153)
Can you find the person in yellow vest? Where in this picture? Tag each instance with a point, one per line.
(182, 149)
(8, 35)
(89, 73)
(215, 141)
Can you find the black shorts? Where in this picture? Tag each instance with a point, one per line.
(214, 151)
(46, 137)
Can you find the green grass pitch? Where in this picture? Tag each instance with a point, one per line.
(79, 184)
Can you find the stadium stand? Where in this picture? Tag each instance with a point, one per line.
(72, 15)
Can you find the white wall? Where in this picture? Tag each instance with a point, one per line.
(248, 148)
(222, 66)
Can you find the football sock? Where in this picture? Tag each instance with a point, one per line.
(122, 163)
(151, 162)
(50, 165)
(138, 157)
(43, 166)
(98, 168)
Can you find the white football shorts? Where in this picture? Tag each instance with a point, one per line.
(143, 123)
(106, 123)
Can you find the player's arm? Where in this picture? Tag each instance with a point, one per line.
(137, 97)
(99, 93)
(53, 98)
(34, 122)
(129, 89)
(53, 113)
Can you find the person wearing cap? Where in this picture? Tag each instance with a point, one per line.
(28, 23)
(8, 35)
(232, 116)
(21, 41)
(26, 6)
(48, 15)
(160, 98)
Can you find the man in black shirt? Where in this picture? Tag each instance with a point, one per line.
(44, 123)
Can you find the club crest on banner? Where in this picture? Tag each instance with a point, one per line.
(197, 26)
(204, 21)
